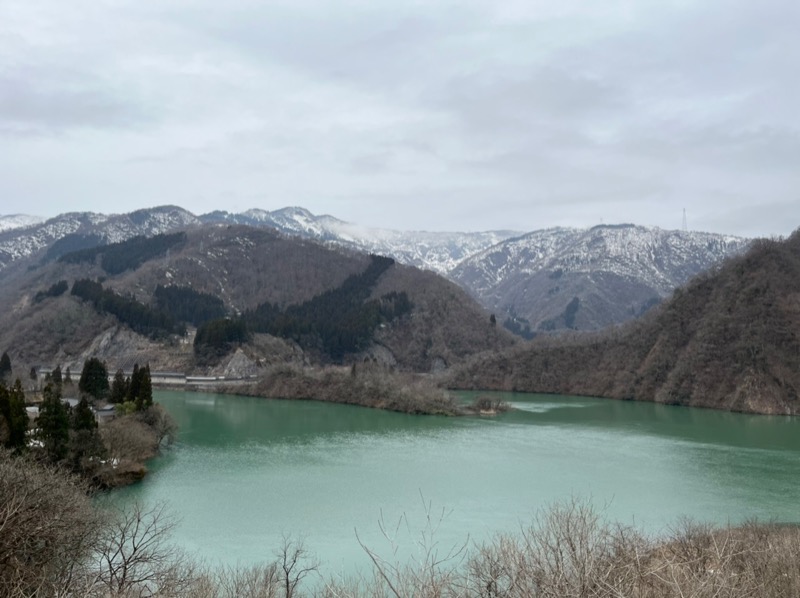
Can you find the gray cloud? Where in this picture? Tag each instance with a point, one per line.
(42, 103)
(414, 115)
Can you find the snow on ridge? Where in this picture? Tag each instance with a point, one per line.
(14, 221)
(439, 252)
(655, 256)
(19, 243)
(627, 250)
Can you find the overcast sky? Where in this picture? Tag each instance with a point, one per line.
(426, 115)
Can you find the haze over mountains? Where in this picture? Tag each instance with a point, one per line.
(541, 281)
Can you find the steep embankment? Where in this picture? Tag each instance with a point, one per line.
(730, 340)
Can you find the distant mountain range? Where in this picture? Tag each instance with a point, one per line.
(537, 282)
(588, 279)
(436, 251)
(79, 230)
(24, 236)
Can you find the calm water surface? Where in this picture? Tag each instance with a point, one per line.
(246, 470)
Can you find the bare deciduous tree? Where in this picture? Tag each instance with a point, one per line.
(135, 556)
(48, 527)
(294, 564)
(128, 439)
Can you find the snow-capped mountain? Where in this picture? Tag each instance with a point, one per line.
(437, 251)
(588, 279)
(77, 230)
(540, 281)
(12, 221)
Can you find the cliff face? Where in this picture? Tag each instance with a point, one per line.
(730, 339)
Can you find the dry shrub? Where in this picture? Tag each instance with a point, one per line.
(568, 551)
(368, 386)
(54, 543)
(47, 527)
(129, 440)
(754, 560)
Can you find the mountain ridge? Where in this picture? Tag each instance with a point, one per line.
(615, 271)
(537, 282)
(244, 267)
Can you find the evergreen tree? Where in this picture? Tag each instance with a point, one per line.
(18, 417)
(5, 366)
(145, 397)
(57, 379)
(68, 376)
(13, 417)
(119, 387)
(53, 424)
(5, 414)
(133, 387)
(94, 378)
(84, 441)
(34, 377)
(82, 417)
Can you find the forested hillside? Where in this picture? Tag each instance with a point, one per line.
(730, 339)
(541, 282)
(272, 297)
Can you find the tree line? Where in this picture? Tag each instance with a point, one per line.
(55, 290)
(185, 304)
(126, 255)
(142, 318)
(334, 323)
(70, 244)
(172, 306)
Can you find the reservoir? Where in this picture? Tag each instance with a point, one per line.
(246, 471)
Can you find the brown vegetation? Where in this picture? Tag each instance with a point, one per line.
(129, 441)
(445, 327)
(366, 385)
(728, 340)
(46, 520)
(244, 267)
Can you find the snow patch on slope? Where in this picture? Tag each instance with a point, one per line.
(14, 221)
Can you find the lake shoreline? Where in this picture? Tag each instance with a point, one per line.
(364, 386)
